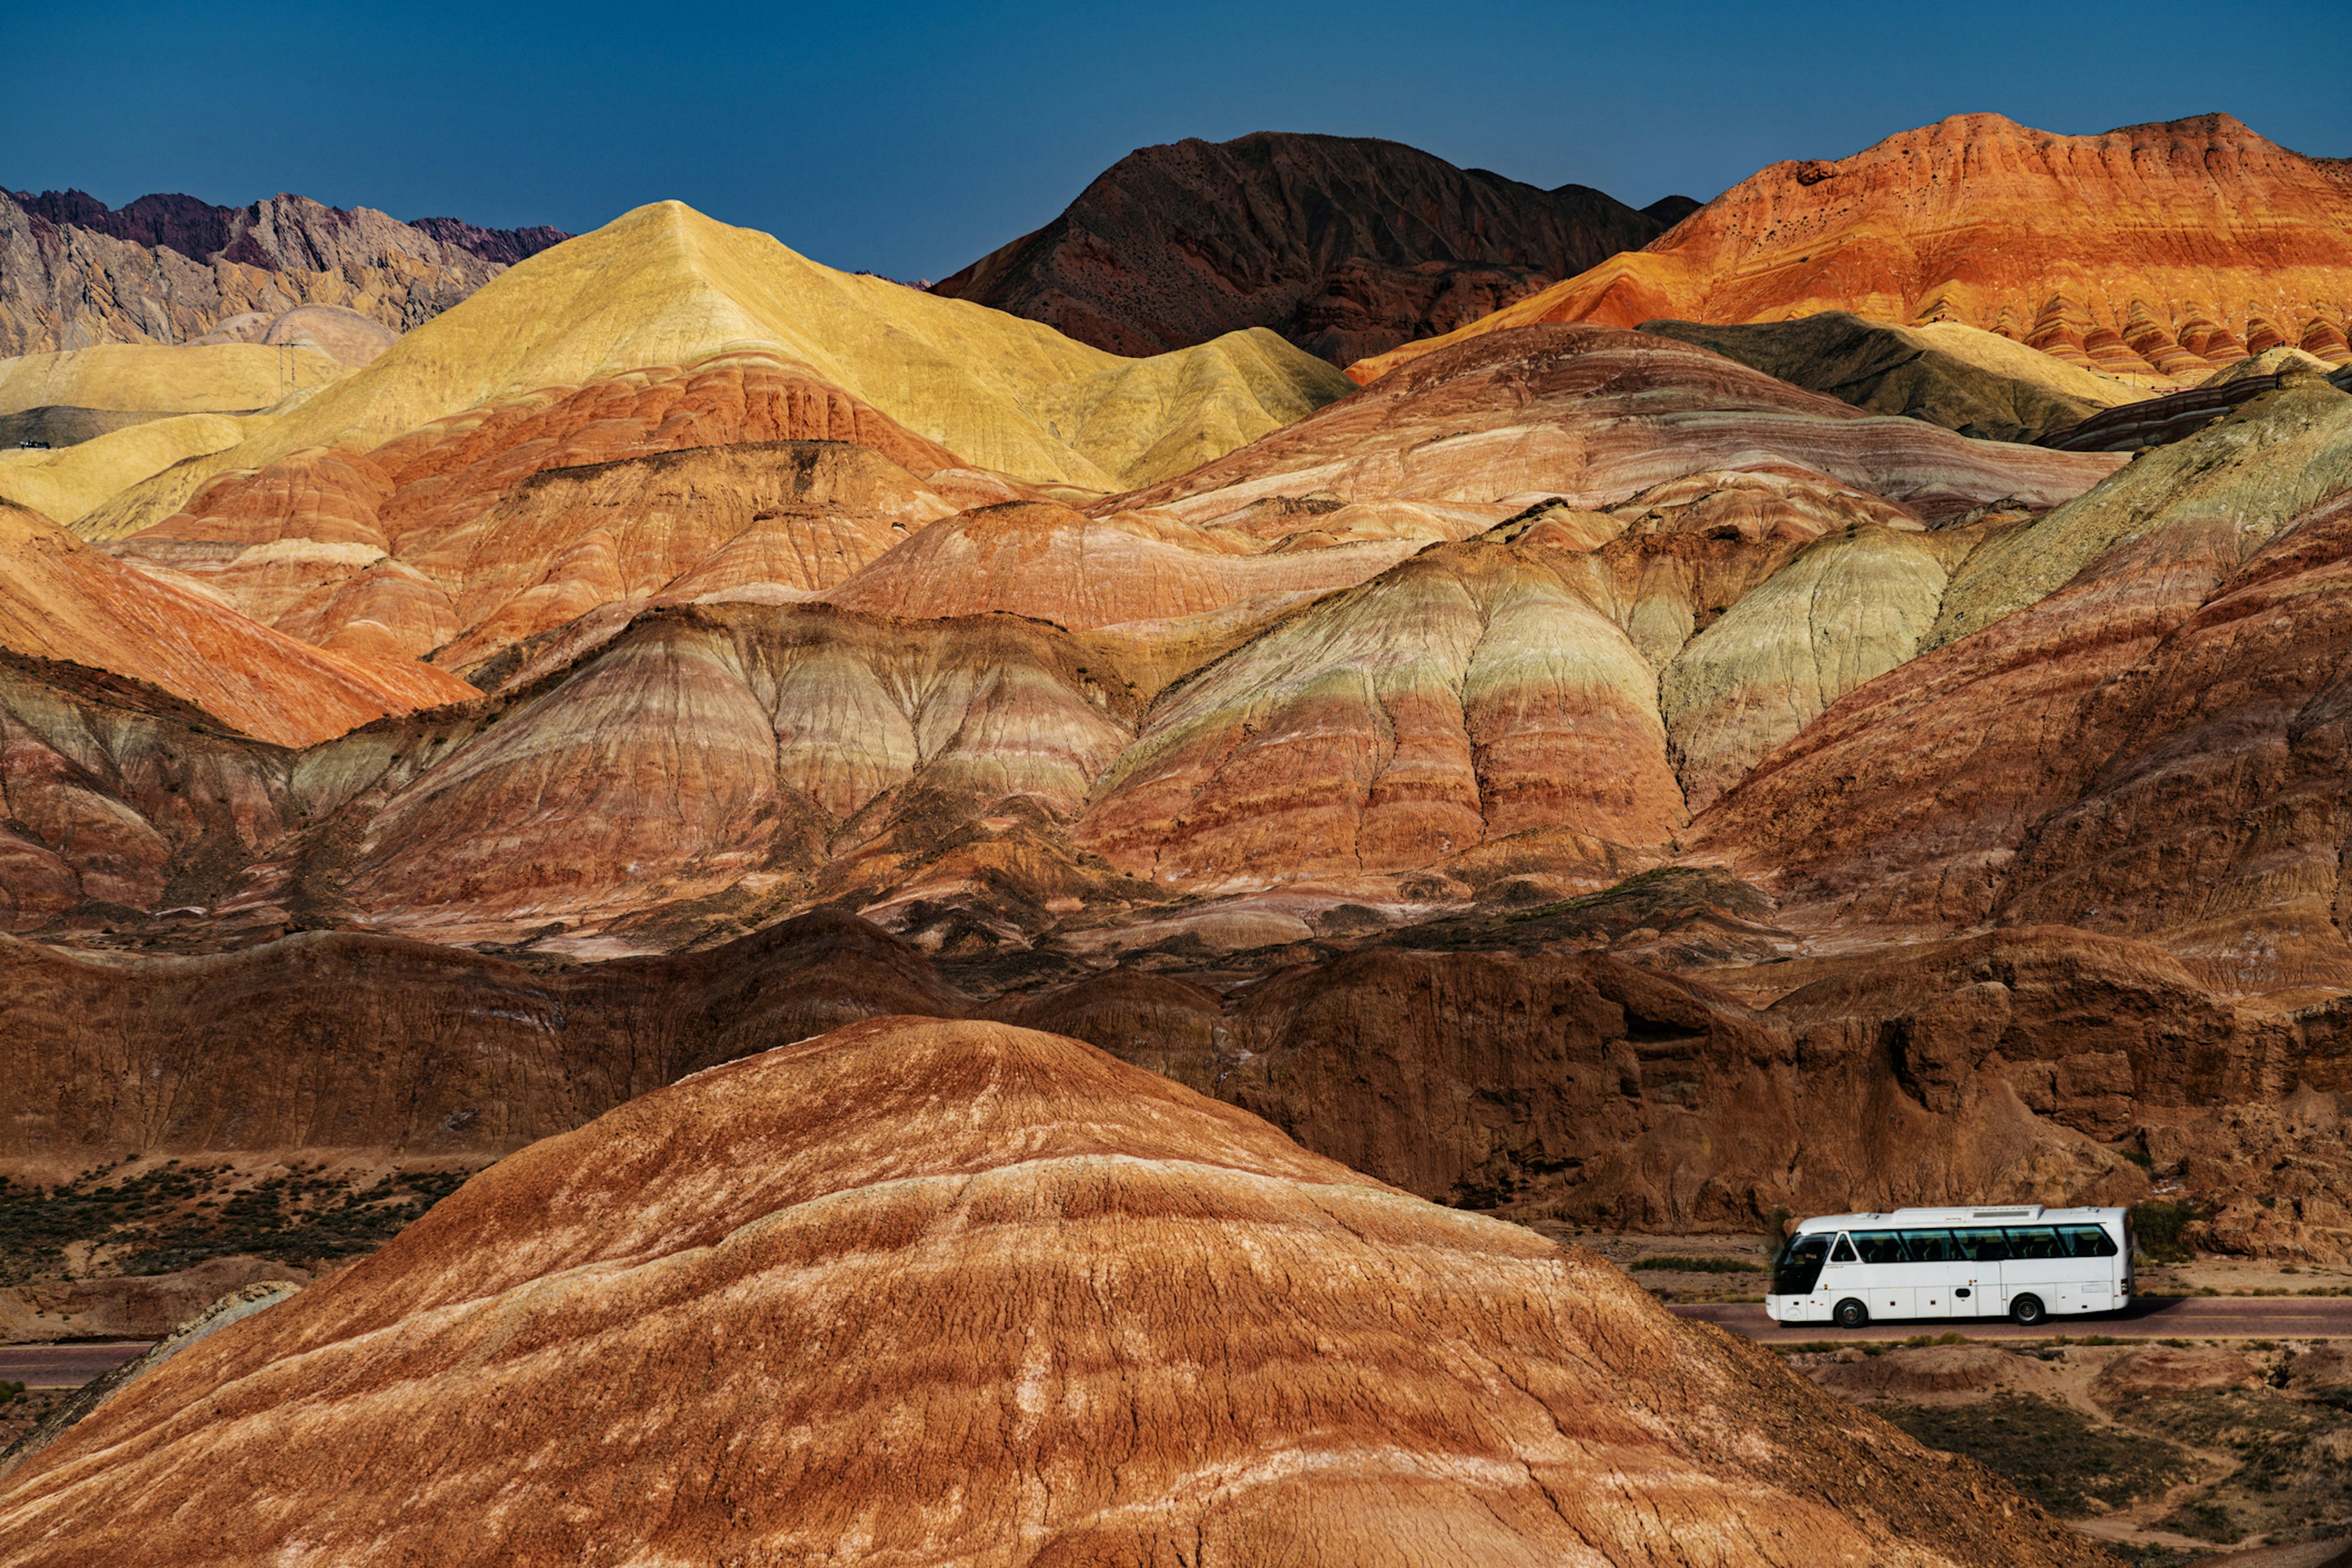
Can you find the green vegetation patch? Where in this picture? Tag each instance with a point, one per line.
(176, 1216)
(2155, 1555)
(2161, 1228)
(2293, 1478)
(26, 1408)
(1699, 1265)
(2052, 1453)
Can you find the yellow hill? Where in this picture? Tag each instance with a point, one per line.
(1997, 355)
(67, 483)
(664, 285)
(189, 378)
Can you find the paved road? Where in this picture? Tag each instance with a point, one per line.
(64, 1366)
(2148, 1318)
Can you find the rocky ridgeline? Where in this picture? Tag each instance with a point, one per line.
(171, 269)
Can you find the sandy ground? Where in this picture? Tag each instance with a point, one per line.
(2169, 1390)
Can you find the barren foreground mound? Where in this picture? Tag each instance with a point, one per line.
(924, 1292)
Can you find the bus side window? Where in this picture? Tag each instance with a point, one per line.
(2089, 1241)
(1930, 1245)
(1984, 1245)
(1844, 1253)
(1878, 1246)
(2034, 1241)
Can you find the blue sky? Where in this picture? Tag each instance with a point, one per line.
(911, 138)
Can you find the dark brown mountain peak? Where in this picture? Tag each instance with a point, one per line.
(505, 244)
(1335, 242)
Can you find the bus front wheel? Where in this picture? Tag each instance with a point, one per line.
(1852, 1315)
(2027, 1309)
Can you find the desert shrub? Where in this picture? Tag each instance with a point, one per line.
(2204, 1521)
(2050, 1451)
(1699, 1265)
(2162, 1224)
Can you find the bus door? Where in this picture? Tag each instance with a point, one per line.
(1986, 1251)
(2098, 1269)
(1938, 1273)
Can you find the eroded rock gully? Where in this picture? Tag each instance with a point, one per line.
(334, 1041)
(2040, 1063)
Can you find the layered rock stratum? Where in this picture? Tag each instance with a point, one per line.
(742, 652)
(1345, 246)
(742, 474)
(1962, 378)
(2152, 252)
(171, 269)
(1591, 416)
(2038, 682)
(930, 1289)
(63, 601)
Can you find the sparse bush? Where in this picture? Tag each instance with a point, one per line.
(2204, 1521)
(2161, 1225)
(2052, 1453)
(175, 1216)
(1699, 1264)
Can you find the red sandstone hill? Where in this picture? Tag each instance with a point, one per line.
(2118, 719)
(1186, 714)
(1592, 415)
(2153, 250)
(62, 600)
(922, 1292)
(1346, 246)
(490, 527)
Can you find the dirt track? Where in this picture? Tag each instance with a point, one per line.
(64, 1366)
(2150, 1318)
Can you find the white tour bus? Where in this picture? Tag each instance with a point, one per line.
(2025, 1263)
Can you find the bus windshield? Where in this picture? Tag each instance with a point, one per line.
(1799, 1267)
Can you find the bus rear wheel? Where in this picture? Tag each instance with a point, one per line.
(1852, 1315)
(2027, 1310)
